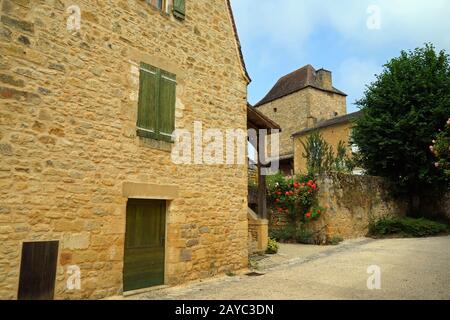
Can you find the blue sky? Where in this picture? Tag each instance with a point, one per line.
(352, 38)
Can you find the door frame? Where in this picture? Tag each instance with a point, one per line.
(166, 213)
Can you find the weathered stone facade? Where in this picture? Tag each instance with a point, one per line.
(353, 202)
(68, 138)
(302, 109)
(258, 233)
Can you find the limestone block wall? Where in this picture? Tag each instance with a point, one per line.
(292, 111)
(439, 207)
(352, 202)
(68, 138)
(258, 233)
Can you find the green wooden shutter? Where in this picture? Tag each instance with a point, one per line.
(148, 94)
(167, 99)
(179, 9)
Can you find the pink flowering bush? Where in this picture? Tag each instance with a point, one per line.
(441, 149)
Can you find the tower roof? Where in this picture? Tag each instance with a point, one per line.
(296, 81)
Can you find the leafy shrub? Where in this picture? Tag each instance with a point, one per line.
(320, 156)
(401, 112)
(406, 227)
(272, 246)
(334, 240)
(295, 197)
(284, 235)
(441, 149)
(304, 236)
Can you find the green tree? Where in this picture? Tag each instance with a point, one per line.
(441, 149)
(402, 111)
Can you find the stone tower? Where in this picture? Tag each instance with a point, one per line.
(298, 101)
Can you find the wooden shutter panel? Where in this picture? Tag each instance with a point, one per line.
(147, 110)
(179, 9)
(167, 99)
(38, 270)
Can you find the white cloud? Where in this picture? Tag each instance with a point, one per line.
(281, 35)
(290, 23)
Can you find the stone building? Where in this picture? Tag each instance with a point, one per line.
(299, 100)
(333, 131)
(91, 203)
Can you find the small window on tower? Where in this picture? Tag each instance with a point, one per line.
(275, 110)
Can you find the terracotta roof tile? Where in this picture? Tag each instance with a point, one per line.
(295, 81)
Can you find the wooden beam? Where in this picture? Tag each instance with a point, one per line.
(262, 188)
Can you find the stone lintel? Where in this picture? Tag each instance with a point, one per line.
(134, 190)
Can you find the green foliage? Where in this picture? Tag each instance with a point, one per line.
(304, 236)
(402, 111)
(320, 157)
(342, 163)
(334, 240)
(272, 246)
(318, 154)
(290, 233)
(441, 150)
(285, 234)
(406, 227)
(294, 197)
(252, 183)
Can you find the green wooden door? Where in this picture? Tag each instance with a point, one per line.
(144, 244)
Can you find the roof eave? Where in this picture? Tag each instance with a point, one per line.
(262, 102)
(238, 44)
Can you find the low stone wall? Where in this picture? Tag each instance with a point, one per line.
(436, 208)
(258, 233)
(352, 202)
